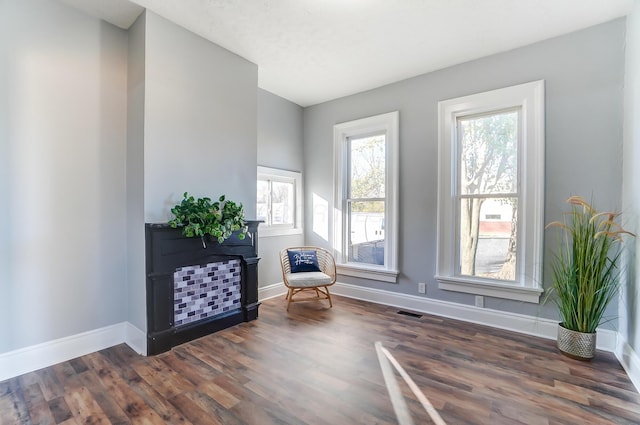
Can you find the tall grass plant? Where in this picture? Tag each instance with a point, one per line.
(586, 270)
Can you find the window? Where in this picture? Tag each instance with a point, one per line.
(490, 195)
(487, 176)
(279, 202)
(366, 183)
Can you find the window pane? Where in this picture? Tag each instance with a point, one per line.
(488, 237)
(367, 167)
(262, 206)
(366, 232)
(488, 149)
(282, 203)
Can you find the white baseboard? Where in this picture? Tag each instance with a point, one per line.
(271, 291)
(136, 339)
(25, 360)
(630, 361)
(530, 325)
(28, 359)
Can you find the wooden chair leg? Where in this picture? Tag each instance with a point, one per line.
(289, 298)
(322, 293)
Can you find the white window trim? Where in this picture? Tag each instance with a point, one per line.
(530, 98)
(389, 124)
(277, 174)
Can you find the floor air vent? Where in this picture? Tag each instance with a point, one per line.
(410, 314)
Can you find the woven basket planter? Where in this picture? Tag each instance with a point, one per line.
(577, 345)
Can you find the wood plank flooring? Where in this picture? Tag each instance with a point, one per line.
(316, 365)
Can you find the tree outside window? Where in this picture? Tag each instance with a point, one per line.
(366, 199)
(488, 176)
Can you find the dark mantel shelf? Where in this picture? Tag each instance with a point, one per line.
(166, 250)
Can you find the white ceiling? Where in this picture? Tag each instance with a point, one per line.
(311, 51)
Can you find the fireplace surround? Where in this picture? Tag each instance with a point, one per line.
(171, 256)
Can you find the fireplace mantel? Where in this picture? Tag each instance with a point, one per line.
(166, 250)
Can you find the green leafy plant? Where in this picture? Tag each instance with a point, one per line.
(200, 217)
(586, 275)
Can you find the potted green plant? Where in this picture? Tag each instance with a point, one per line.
(586, 274)
(201, 217)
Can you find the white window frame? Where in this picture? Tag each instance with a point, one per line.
(529, 97)
(389, 125)
(286, 176)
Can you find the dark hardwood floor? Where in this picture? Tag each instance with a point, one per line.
(315, 365)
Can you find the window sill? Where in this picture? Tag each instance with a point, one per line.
(270, 231)
(373, 273)
(489, 289)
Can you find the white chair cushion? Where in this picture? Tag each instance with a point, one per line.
(308, 279)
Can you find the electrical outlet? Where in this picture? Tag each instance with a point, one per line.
(422, 288)
(479, 301)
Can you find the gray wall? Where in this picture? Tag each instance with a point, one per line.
(191, 127)
(63, 112)
(6, 186)
(630, 305)
(200, 121)
(136, 276)
(279, 146)
(584, 79)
